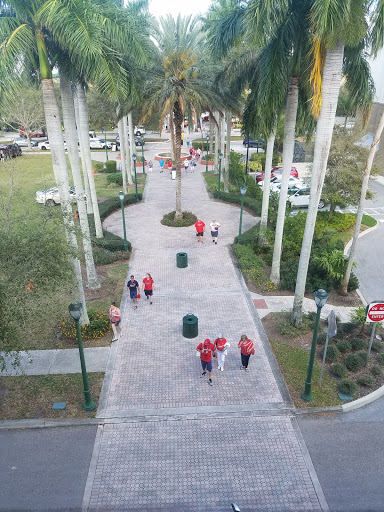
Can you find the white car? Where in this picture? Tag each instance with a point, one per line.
(51, 196)
(300, 198)
(275, 183)
(98, 144)
(23, 142)
(139, 130)
(45, 145)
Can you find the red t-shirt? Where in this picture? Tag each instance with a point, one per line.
(169, 164)
(148, 282)
(219, 344)
(199, 226)
(247, 347)
(206, 354)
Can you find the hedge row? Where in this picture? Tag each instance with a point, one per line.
(249, 202)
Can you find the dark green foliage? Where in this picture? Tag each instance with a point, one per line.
(249, 237)
(344, 346)
(376, 370)
(377, 346)
(98, 166)
(110, 166)
(105, 257)
(236, 169)
(247, 257)
(198, 143)
(354, 362)
(321, 338)
(358, 343)
(332, 353)
(353, 283)
(188, 219)
(347, 387)
(252, 204)
(253, 190)
(366, 380)
(380, 359)
(338, 370)
(112, 204)
(345, 328)
(115, 179)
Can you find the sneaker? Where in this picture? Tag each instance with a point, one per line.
(218, 367)
(247, 369)
(210, 382)
(204, 373)
(135, 307)
(216, 243)
(151, 303)
(242, 367)
(114, 339)
(213, 241)
(222, 368)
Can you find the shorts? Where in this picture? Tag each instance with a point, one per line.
(214, 233)
(200, 234)
(133, 294)
(148, 292)
(117, 322)
(207, 365)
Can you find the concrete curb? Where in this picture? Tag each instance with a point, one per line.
(92, 470)
(365, 400)
(349, 243)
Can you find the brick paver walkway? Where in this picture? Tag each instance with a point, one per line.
(179, 444)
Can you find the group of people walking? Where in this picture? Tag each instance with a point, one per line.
(219, 350)
(200, 229)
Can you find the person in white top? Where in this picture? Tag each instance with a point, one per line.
(214, 230)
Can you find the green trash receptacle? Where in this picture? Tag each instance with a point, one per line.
(182, 260)
(190, 326)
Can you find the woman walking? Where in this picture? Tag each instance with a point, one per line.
(247, 347)
(221, 346)
(115, 317)
(148, 286)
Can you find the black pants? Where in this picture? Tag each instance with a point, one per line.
(245, 360)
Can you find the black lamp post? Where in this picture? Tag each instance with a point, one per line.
(243, 191)
(321, 297)
(75, 309)
(142, 152)
(220, 159)
(134, 166)
(121, 197)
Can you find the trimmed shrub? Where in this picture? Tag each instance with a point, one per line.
(97, 166)
(236, 168)
(112, 204)
(321, 339)
(247, 257)
(338, 370)
(345, 328)
(249, 237)
(344, 346)
(358, 343)
(115, 178)
(105, 257)
(354, 362)
(377, 346)
(110, 166)
(348, 387)
(249, 202)
(353, 283)
(380, 359)
(187, 220)
(332, 353)
(376, 370)
(253, 190)
(366, 380)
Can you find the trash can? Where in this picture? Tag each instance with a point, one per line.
(173, 173)
(190, 326)
(182, 260)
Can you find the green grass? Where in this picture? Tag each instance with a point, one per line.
(293, 363)
(369, 221)
(237, 137)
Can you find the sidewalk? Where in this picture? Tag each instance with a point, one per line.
(179, 443)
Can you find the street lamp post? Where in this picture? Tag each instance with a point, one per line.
(142, 153)
(75, 309)
(121, 197)
(220, 159)
(206, 156)
(134, 166)
(243, 191)
(321, 297)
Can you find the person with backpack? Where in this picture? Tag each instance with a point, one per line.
(221, 347)
(207, 350)
(115, 318)
(247, 347)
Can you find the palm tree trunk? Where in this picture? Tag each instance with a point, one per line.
(84, 133)
(59, 164)
(172, 129)
(73, 154)
(330, 94)
(288, 148)
(227, 150)
(217, 142)
(178, 121)
(131, 139)
(128, 157)
(211, 132)
(120, 126)
(266, 182)
(360, 210)
(83, 164)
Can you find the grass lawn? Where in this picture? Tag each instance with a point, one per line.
(293, 363)
(32, 396)
(104, 190)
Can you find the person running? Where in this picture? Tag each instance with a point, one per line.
(186, 164)
(115, 318)
(200, 228)
(170, 165)
(221, 346)
(148, 287)
(150, 166)
(207, 350)
(134, 288)
(247, 347)
(214, 230)
(161, 163)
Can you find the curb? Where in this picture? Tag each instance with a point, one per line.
(365, 400)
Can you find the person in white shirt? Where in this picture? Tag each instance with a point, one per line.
(214, 230)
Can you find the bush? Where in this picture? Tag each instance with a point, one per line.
(332, 353)
(110, 241)
(253, 190)
(353, 283)
(253, 166)
(236, 168)
(105, 256)
(366, 380)
(338, 370)
(358, 343)
(376, 370)
(187, 220)
(112, 204)
(115, 179)
(247, 257)
(198, 143)
(359, 316)
(110, 166)
(249, 237)
(348, 387)
(344, 346)
(97, 166)
(380, 359)
(321, 338)
(354, 362)
(345, 328)
(252, 204)
(99, 325)
(377, 346)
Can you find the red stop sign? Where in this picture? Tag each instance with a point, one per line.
(375, 312)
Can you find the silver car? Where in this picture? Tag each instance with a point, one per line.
(51, 196)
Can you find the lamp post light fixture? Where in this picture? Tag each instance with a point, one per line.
(206, 156)
(321, 297)
(142, 152)
(243, 191)
(75, 309)
(121, 197)
(220, 159)
(134, 157)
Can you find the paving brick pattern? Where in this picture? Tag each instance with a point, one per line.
(203, 466)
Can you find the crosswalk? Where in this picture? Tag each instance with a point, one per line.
(378, 211)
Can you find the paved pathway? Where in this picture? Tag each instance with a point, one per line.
(181, 445)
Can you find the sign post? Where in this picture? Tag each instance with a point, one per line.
(331, 332)
(375, 313)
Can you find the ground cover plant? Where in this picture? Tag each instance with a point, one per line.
(188, 218)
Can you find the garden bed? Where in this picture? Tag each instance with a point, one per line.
(188, 219)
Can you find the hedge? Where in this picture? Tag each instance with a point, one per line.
(252, 204)
(112, 204)
(110, 166)
(115, 179)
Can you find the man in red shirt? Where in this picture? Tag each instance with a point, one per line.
(169, 165)
(221, 346)
(148, 286)
(207, 350)
(200, 228)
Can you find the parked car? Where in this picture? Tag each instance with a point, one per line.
(23, 142)
(275, 183)
(137, 141)
(300, 198)
(14, 150)
(253, 143)
(276, 172)
(34, 135)
(139, 130)
(99, 144)
(51, 196)
(45, 145)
